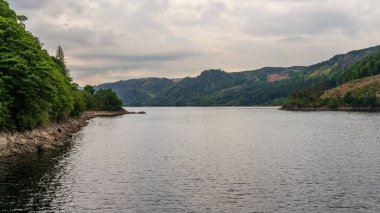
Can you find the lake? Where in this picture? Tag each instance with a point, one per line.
(205, 160)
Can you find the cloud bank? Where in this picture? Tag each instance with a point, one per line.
(109, 40)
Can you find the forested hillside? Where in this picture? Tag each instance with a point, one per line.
(212, 87)
(35, 88)
(219, 88)
(138, 92)
(356, 85)
(266, 86)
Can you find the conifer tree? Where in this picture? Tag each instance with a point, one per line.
(60, 60)
(60, 55)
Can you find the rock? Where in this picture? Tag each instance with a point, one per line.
(3, 140)
(141, 112)
(46, 147)
(41, 139)
(11, 139)
(21, 140)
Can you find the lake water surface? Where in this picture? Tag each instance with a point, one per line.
(205, 160)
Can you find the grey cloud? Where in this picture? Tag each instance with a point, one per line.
(108, 39)
(112, 71)
(28, 4)
(292, 39)
(211, 13)
(72, 38)
(303, 21)
(140, 58)
(84, 71)
(54, 8)
(125, 63)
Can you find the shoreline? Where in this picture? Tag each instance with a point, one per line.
(51, 137)
(342, 108)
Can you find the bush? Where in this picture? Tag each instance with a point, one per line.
(107, 100)
(79, 103)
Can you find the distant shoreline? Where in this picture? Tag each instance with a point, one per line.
(343, 108)
(55, 135)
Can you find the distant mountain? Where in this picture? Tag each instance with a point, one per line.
(176, 80)
(202, 90)
(215, 87)
(137, 92)
(219, 88)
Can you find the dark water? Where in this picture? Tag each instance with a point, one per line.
(205, 160)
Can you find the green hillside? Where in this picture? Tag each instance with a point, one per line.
(138, 92)
(266, 86)
(355, 85)
(368, 86)
(219, 88)
(362, 92)
(212, 87)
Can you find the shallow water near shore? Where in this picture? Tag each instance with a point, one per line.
(205, 160)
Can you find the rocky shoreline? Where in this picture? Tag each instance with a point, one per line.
(55, 135)
(342, 108)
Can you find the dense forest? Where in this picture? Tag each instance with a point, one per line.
(36, 88)
(266, 86)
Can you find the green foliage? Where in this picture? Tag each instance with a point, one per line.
(139, 92)
(4, 107)
(366, 63)
(33, 89)
(368, 66)
(89, 89)
(101, 99)
(88, 94)
(79, 102)
(365, 96)
(306, 98)
(60, 56)
(89, 101)
(6, 12)
(36, 88)
(59, 59)
(107, 100)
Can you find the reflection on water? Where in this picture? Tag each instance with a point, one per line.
(205, 159)
(30, 181)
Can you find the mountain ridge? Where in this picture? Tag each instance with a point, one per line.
(216, 87)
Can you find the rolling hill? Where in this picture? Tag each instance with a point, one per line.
(137, 92)
(265, 86)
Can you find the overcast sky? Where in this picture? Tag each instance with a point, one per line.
(110, 40)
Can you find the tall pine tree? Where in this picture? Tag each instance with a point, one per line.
(60, 61)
